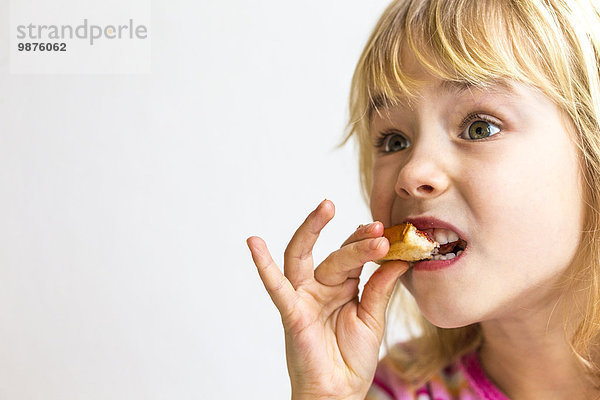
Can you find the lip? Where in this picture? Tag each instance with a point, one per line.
(427, 222)
(434, 265)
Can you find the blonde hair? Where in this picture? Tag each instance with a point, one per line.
(552, 45)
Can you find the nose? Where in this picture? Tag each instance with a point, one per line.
(423, 176)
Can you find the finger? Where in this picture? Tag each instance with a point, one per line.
(298, 263)
(377, 292)
(355, 273)
(280, 289)
(374, 229)
(343, 263)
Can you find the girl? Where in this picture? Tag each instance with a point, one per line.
(479, 119)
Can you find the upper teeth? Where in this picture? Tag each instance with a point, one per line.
(442, 236)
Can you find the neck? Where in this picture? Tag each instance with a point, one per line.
(529, 357)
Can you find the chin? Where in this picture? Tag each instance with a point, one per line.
(448, 316)
(450, 323)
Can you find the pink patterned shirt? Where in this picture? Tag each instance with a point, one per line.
(462, 380)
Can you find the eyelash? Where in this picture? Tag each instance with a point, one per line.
(380, 140)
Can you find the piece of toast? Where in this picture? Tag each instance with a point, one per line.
(407, 243)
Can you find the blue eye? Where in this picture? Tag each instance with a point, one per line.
(391, 142)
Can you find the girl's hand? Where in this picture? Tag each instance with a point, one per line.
(332, 340)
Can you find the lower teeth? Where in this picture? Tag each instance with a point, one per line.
(448, 256)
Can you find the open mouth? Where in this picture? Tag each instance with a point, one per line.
(453, 247)
(450, 244)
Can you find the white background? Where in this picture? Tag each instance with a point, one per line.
(126, 201)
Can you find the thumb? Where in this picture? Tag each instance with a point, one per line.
(377, 292)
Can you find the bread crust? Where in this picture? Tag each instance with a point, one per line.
(407, 243)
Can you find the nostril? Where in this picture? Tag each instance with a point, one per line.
(421, 190)
(426, 188)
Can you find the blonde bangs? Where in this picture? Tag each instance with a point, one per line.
(476, 43)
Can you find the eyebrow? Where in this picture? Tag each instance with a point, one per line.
(497, 86)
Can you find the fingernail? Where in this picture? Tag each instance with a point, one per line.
(371, 227)
(375, 244)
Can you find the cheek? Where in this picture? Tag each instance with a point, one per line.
(527, 205)
(382, 194)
